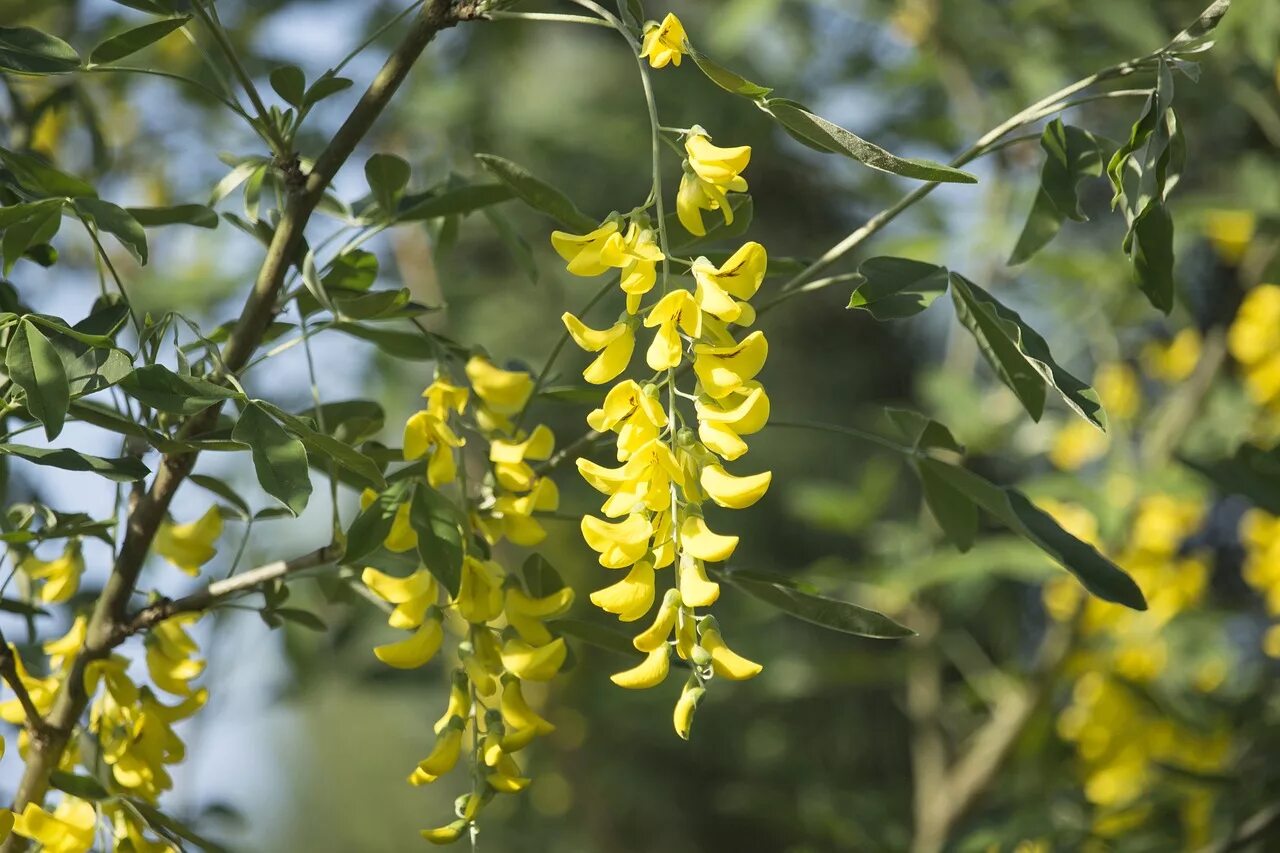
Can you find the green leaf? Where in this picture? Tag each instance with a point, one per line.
(378, 304)
(728, 80)
(540, 577)
(34, 365)
(222, 490)
(370, 528)
(305, 618)
(132, 41)
(537, 193)
(158, 387)
(96, 369)
(1099, 575)
(1071, 155)
(21, 608)
(438, 524)
(893, 288)
(387, 175)
(328, 447)
(123, 470)
(594, 634)
(819, 133)
(350, 421)
(1018, 355)
(84, 787)
(828, 612)
(956, 514)
(178, 214)
(415, 347)
(117, 221)
(1150, 247)
(44, 180)
(325, 87)
(457, 201)
(279, 459)
(1250, 471)
(173, 829)
(1202, 27)
(352, 270)
(290, 84)
(592, 394)
(41, 223)
(24, 50)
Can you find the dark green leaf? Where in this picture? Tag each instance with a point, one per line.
(1250, 471)
(537, 193)
(1071, 155)
(350, 421)
(122, 470)
(893, 288)
(352, 270)
(413, 346)
(820, 610)
(328, 447)
(21, 608)
(452, 202)
(1099, 575)
(158, 387)
(305, 618)
(34, 365)
(279, 459)
(540, 577)
(222, 490)
(173, 828)
(41, 223)
(84, 787)
(387, 175)
(378, 304)
(728, 80)
(1150, 247)
(96, 369)
(370, 528)
(594, 634)
(39, 177)
(438, 524)
(1018, 355)
(1042, 225)
(327, 86)
(24, 50)
(178, 214)
(117, 221)
(827, 136)
(132, 41)
(290, 84)
(955, 513)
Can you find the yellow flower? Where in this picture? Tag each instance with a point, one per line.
(1118, 389)
(1174, 361)
(171, 654)
(416, 649)
(444, 754)
(517, 716)
(682, 717)
(650, 672)
(677, 311)
(479, 591)
(655, 636)
(615, 345)
(723, 370)
(62, 651)
(1271, 642)
(42, 691)
(723, 422)
(447, 834)
(641, 270)
(443, 396)
(664, 43)
(61, 575)
(724, 661)
(1077, 444)
(697, 540)
(510, 467)
(459, 706)
(1230, 232)
(189, 546)
(591, 254)
(637, 417)
(1254, 341)
(734, 492)
(738, 278)
(411, 595)
(644, 480)
(696, 590)
(70, 829)
(430, 431)
(401, 537)
(506, 778)
(619, 544)
(503, 391)
(533, 663)
(710, 173)
(630, 598)
(516, 513)
(527, 614)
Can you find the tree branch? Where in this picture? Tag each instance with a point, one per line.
(109, 614)
(36, 724)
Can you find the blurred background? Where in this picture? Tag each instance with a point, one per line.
(1019, 719)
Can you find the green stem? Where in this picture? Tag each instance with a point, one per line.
(547, 16)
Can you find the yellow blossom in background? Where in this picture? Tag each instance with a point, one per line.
(503, 392)
(69, 829)
(1230, 232)
(1173, 361)
(664, 43)
(171, 659)
(189, 546)
(401, 537)
(1254, 341)
(43, 691)
(1118, 389)
(60, 576)
(1077, 444)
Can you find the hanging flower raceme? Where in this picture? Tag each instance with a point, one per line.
(653, 512)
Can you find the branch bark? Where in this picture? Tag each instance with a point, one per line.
(109, 622)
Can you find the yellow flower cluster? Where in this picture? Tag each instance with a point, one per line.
(1254, 341)
(1120, 739)
(653, 513)
(1079, 442)
(58, 578)
(503, 641)
(1260, 533)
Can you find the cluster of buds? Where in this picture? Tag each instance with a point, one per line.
(672, 460)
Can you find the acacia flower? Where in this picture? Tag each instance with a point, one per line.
(710, 174)
(510, 467)
(644, 480)
(62, 651)
(526, 614)
(723, 422)
(415, 650)
(738, 278)
(641, 269)
(664, 43)
(615, 345)
(733, 492)
(479, 596)
(696, 589)
(533, 663)
(189, 546)
(61, 575)
(630, 598)
(171, 655)
(723, 370)
(631, 411)
(428, 431)
(444, 754)
(401, 536)
(698, 540)
(650, 672)
(676, 312)
(69, 829)
(682, 717)
(411, 595)
(504, 392)
(724, 661)
(593, 253)
(619, 543)
(655, 636)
